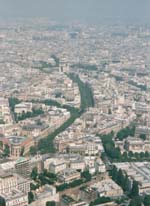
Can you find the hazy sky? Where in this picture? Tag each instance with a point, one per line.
(80, 10)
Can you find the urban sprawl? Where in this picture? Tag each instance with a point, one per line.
(74, 114)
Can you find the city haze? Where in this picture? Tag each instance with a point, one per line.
(89, 11)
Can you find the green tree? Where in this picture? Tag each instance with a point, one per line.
(34, 186)
(51, 203)
(120, 178)
(100, 200)
(86, 175)
(62, 187)
(130, 154)
(125, 156)
(146, 200)
(50, 175)
(114, 173)
(135, 189)
(143, 136)
(34, 173)
(127, 185)
(125, 132)
(30, 197)
(33, 150)
(142, 155)
(136, 201)
(116, 153)
(146, 154)
(12, 102)
(2, 201)
(7, 151)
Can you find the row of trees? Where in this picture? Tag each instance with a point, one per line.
(35, 112)
(26, 115)
(72, 184)
(87, 100)
(85, 177)
(49, 178)
(51, 203)
(86, 92)
(123, 181)
(141, 86)
(5, 148)
(125, 132)
(87, 67)
(140, 201)
(46, 145)
(130, 156)
(114, 153)
(43, 178)
(44, 66)
(132, 190)
(100, 200)
(109, 147)
(12, 102)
